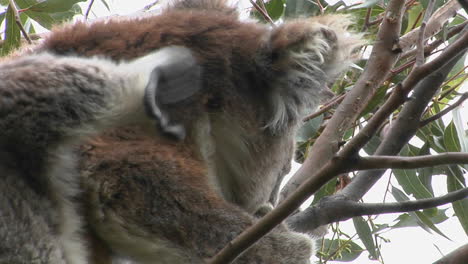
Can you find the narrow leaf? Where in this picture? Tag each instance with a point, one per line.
(456, 181)
(12, 34)
(55, 6)
(365, 234)
(451, 138)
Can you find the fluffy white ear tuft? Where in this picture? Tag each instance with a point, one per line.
(340, 43)
(307, 54)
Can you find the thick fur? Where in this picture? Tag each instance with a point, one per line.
(49, 105)
(258, 82)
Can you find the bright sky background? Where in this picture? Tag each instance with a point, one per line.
(408, 245)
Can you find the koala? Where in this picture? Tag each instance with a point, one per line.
(185, 200)
(49, 105)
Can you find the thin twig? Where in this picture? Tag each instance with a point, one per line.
(367, 19)
(14, 9)
(325, 108)
(418, 72)
(436, 43)
(445, 111)
(88, 10)
(422, 33)
(453, 88)
(434, 24)
(262, 12)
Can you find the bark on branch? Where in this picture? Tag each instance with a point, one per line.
(339, 208)
(382, 59)
(399, 162)
(434, 25)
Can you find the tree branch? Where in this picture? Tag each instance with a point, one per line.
(325, 108)
(459, 46)
(446, 110)
(458, 256)
(339, 208)
(434, 24)
(436, 43)
(381, 60)
(399, 162)
(402, 130)
(399, 133)
(422, 33)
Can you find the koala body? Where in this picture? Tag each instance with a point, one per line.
(157, 201)
(257, 83)
(48, 105)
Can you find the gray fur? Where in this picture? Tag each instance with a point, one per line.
(48, 105)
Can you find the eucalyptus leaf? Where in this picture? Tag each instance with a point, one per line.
(274, 8)
(12, 33)
(296, 8)
(451, 141)
(309, 129)
(456, 181)
(104, 2)
(55, 6)
(365, 234)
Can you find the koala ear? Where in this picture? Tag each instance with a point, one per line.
(319, 43)
(173, 81)
(306, 54)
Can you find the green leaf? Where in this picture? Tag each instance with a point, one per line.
(428, 222)
(309, 129)
(346, 250)
(459, 66)
(417, 217)
(406, 220)
(425, 174)
(451, 141)
(437, 4)
(425, 134)
(376, 100)
(372, 145)
(274, 8)
(55, 6)
(413, 15)
(12, 34)
(104, 2)
(326, 190)
(462, 134)
(411, 183)
(23, 4)
(296, 8)
(456, 181)
(365, 234)
(409, 180)
(42, 18)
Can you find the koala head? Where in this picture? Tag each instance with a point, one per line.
(257, 82)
